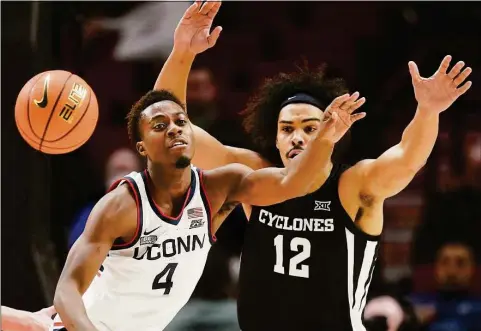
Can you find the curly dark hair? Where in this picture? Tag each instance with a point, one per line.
(134, 115)
(262, 111)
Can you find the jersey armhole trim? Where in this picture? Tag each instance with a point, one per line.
(208, 206)
(119, 243)
(351, 227)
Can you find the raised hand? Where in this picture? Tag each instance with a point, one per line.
(341, 111)
(438, 92)
(193, 31)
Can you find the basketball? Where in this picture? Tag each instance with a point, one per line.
(56, 112)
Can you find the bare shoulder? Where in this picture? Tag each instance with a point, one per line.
(220, 182)
(115, 213)
(118, 202)
(355, 174)
(359, 169)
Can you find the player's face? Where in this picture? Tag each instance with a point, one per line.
(166, 135)
(296, 126)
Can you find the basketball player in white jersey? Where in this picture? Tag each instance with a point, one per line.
(146, 242)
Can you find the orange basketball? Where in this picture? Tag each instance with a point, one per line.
(56, 112)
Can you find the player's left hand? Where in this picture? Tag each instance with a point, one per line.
(438, 92)
(344, 106)
(193, 31)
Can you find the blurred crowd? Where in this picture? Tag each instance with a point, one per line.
(429, 273)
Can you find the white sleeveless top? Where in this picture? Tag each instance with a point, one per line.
(143, 284)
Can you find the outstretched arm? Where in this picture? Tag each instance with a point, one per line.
(193, 36)
(106, 223)
(21, 320)
(394, 169)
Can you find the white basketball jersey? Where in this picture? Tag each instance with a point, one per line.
(143, 284)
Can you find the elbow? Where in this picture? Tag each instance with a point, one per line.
(58, 297)
(65, 289)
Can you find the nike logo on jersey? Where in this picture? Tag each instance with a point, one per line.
(43, 103)
(146, 233)
(296, 224)
(322, 205)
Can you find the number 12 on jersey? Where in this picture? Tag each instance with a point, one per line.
(296, 269)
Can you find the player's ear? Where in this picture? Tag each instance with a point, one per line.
(140, 148)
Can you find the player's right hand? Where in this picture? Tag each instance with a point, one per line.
(344, 107)
(193, 34)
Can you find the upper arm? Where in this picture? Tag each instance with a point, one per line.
(385, 176)
(211, 153)
(109, 220)
(264, 187)
(261, 187)
(13, 319)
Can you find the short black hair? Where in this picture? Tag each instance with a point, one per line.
(262, 111)
(134, 115)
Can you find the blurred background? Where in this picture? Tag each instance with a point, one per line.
(428, 275)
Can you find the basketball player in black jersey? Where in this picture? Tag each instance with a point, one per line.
(307, 263)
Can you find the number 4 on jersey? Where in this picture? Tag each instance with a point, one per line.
(167, 285)
(296, 269)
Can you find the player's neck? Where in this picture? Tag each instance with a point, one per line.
(173, 182)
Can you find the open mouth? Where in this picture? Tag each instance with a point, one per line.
(177, 143)
(293, 153)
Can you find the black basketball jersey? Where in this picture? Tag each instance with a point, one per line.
(305, 265)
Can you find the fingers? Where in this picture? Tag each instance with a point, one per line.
(462, 76)
(193, 8)
(356, 105)
(215, 9)
(456, 70)
(357, 116)
(347, 104)
(443, 67)
(414, 71)
(332, 120)
(208, 5)
(212, 39)
(350, 105)
(337, 102)
(461, 90)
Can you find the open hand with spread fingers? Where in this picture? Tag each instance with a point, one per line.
(438, 92)
(344, 107)
(193, 31)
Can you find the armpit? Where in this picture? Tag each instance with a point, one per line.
(367, 200)
(227, 207)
